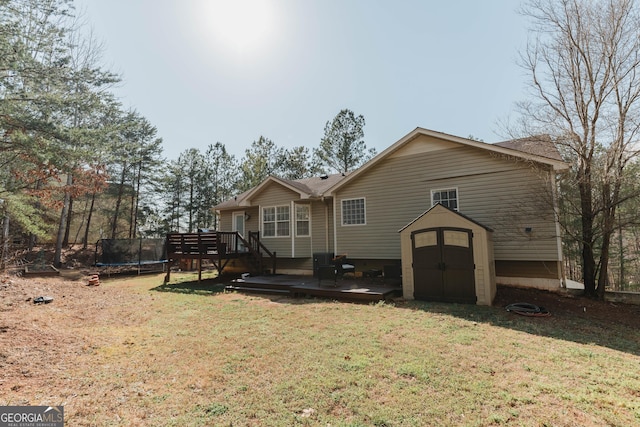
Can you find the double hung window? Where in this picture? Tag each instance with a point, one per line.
(303, 220)
(275, 221)
(353, 212)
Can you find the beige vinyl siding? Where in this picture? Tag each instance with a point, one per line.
(321, 231)
(497, 192)
(252, 224)
(510, 204)
(226, 221)
(320, 240)
(321, 226)
(276, 195)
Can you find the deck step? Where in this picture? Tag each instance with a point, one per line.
(307, 286)
(260, 290)
(251, 282)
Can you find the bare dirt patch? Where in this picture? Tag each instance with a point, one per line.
(40, 341)
(568, 306)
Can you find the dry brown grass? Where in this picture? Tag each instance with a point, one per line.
(135, 352)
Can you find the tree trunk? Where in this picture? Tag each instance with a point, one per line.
(609, 199)
(65, 240)
(131, 207)
(604, 266)
(177, 207)
(137, 207)
(63, 223)
(82, 219)
(86, 230)
(191, 184)
(588, 259)
(5, 242)
(114, 224)
(33, 240)
(621, 279)
(135, 197)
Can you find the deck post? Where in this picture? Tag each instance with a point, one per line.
(200, 247)
(168, 275)
(275, 257)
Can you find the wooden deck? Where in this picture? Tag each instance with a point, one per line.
(218, 247)
(349, 289)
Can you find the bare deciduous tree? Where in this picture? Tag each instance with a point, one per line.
(584, 60)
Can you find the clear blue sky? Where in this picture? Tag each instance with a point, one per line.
(204, 71)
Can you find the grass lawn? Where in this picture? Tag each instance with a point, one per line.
(135, 352)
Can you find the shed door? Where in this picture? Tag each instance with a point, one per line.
(443, 268)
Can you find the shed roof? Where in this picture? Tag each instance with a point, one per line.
(441, 206)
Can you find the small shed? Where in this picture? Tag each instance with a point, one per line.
(447, 256)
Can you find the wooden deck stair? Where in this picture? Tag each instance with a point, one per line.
(250, 286)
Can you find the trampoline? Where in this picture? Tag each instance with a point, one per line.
(143, 254)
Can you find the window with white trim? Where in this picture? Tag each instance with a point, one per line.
(447, 197)
(275, 221)
(353, 212)
(303, 220)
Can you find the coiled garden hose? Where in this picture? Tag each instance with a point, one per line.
(526, 309)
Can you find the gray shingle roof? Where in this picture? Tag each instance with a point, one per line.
(541, 145)
(310, 187)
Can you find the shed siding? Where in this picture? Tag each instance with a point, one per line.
(485, 281)
(500, 193)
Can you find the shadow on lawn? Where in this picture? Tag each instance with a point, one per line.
(562, 325)
(567, 321)
(204, 287)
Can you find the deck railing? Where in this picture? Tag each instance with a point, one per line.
(219, 247)
(231, 239)
(259, 247)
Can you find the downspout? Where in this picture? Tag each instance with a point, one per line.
(335, 226)
(292, 231)
(326, 225)
(312, 208)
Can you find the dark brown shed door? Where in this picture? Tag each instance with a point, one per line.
(443, 268)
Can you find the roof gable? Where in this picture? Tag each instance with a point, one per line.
(307, 188)
(422, 144)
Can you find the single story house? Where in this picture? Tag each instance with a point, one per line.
(508, 187)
